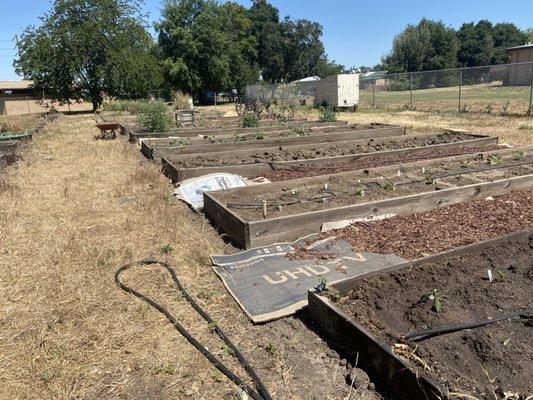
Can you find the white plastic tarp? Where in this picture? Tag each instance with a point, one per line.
(192, 190)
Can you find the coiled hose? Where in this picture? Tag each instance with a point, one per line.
(261, 393)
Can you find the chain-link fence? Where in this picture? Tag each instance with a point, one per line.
(284, 97)
(498, 89)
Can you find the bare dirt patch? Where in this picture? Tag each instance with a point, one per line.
(320, 150)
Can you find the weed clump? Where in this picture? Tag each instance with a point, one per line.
(155, 117)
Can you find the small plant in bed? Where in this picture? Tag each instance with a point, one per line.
(239, 138)
(302, 131)
(155, 117)
(327, 114)
(495, 160)
(179, 142)
(250, 120)
(435, 299)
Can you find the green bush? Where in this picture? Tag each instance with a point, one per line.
(249, 121)
(327, 114)
(155, 117)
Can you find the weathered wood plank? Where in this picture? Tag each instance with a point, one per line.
(134, 136)
(226, 220)
(315, 138)
(256, 169)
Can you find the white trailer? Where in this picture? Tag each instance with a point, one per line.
(338, 91)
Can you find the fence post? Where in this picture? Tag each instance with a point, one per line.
(460, 87)
(373, 93)
(530, 93)
(411, 90)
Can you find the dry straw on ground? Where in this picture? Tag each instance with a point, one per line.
(72, 211)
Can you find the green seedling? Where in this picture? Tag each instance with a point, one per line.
(430, 179)
(517, 155)
(434, 298)
(260, 136)
(495, 160)
(168, 369)
(212, 326)
(167, 249)
(271, 349)
(239, 138)
(502, 275)
(360, 192)
(525, 128)
(179, 142)
(302, 131)
(322, 285)
(389, 185)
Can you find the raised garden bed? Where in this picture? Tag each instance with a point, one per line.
(155, 148)
(135, 136)
(297, 208)
(254, 163)
(370, 315)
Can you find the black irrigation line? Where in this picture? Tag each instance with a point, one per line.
(325, 194)
(261, 393)
(427, 334)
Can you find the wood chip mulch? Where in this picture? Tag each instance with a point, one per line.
(416, 235)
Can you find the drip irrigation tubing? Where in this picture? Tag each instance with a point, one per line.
(324, 194)
(261, 393)
(423, 335)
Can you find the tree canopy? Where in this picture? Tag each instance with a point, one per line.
(431, 45)
(210, 46)
(90, 48)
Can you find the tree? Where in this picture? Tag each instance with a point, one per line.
(429, 45)
(90, 48)
(207, 46)
(506, 35)
(270, 49)
(529, 34)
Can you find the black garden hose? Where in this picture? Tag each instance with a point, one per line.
(423, 335)
(261, 393)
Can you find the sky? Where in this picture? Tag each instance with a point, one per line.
(355, 32)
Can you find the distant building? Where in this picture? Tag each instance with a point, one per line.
(520, 75)
(19, 97)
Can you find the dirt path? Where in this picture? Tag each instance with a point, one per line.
(71, 212)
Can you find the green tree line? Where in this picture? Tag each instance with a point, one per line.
(432, 45)
(97, 48)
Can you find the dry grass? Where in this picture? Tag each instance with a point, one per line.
(76, 210)
(507, 128)
(18, 123)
